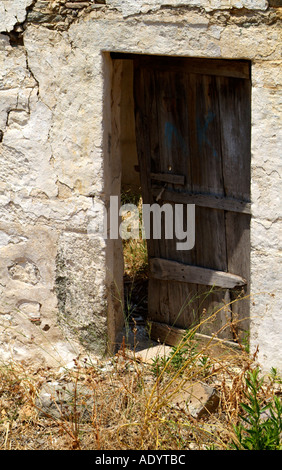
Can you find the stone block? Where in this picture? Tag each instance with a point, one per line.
(67, 401)
(80, 289)
(12, 12)
(24, 270)
(198, 399)
(31, 310)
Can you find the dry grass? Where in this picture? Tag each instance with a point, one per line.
(135, 249)
(128, 405)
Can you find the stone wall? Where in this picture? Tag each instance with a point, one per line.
(60, 154)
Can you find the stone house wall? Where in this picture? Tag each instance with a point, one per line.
(60, 153)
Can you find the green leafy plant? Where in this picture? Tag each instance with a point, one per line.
(180, 355)
(206, 365)
(275, 376)
(177, 357)
(158, 365)
(261, 424)
(246, 341)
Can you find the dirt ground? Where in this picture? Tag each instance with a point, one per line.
(125, 402)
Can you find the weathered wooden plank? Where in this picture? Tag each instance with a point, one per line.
(205, 200)
(173, 336)
(218, 67)
(236, 147)
(235, 132)
(206, 170)
(147, 140)
(168, 178)
(166, 334)
(172, 270)
(238, 251)
(174, 156)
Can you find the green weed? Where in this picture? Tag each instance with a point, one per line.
(261, 425)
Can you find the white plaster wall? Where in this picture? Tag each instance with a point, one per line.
(55, 115)
(12, 12)
(51, 162)
(129, 7)
(266, 229)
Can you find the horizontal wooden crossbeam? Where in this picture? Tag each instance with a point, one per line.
(214, 202)
(167, 270)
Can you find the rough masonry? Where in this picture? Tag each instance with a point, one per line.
(60, 153)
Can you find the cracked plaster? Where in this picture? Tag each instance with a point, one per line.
(54, 116)
(128, 7)
(12, 12)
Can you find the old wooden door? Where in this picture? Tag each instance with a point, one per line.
(193, 143)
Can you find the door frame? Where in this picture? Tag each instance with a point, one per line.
(201, 64)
